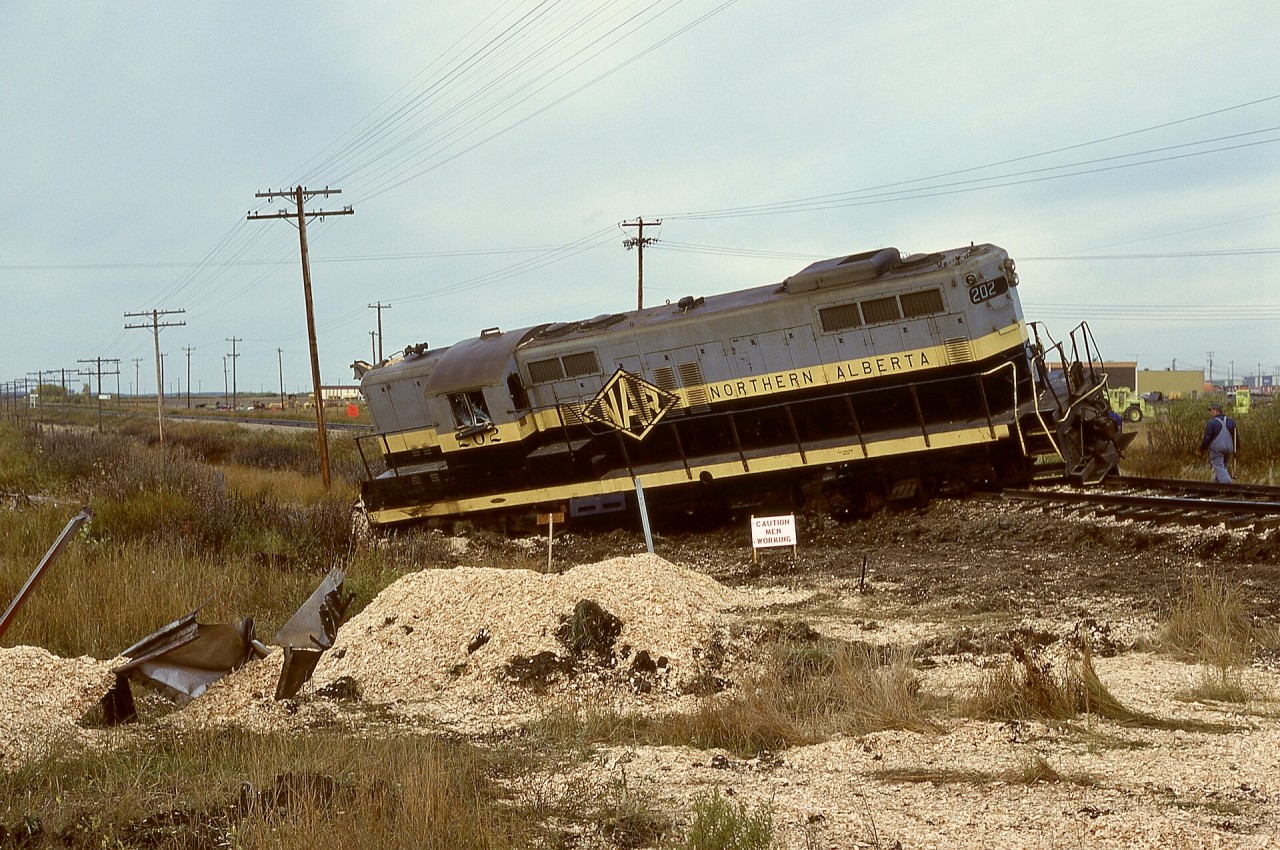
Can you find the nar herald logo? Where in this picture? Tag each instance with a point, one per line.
(629, 404)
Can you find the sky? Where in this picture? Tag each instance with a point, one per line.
(1127, 155)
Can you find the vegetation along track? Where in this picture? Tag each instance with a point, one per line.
(1166, 501)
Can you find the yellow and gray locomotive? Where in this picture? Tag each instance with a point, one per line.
(866, 378)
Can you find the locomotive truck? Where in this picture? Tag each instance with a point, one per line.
(860, 380)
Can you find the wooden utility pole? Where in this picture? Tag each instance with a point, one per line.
(188, 349)
(638, 243)
(234, 393)
(155, 327)
(379, 307)
(98, 361)
(280, 363)
(66, 399)
(300, 196)
(39, 373)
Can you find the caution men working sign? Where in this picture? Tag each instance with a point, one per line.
(770, 531)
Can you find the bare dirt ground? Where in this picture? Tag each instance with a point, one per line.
(957, 583)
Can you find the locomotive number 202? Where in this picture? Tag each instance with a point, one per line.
(987, 289)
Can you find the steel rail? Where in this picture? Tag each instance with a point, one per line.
(1260, 492)
(1179, 503)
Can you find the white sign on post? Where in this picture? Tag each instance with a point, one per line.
(770, 531)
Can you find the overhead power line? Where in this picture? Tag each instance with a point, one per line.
(490, 79)
(975, 168)
(1235, 313)
(1167, 255)
(861, 198)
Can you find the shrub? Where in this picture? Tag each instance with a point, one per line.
(720, 824)
(1172, 440)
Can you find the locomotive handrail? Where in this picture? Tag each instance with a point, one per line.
(1090, 346)
(1035, 395)
(386, 453)
(1017, 420)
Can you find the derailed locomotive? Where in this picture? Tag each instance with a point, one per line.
(866, 378)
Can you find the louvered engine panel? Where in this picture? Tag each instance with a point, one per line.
(695, 390)
(959, 350)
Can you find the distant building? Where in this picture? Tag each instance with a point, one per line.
(1172, 383)
(1122, 373)
(340, 393)
(1265, 384)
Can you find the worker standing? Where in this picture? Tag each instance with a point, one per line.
(1219, 441)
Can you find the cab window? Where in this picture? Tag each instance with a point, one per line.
(469, 409)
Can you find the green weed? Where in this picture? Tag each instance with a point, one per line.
(722, 824)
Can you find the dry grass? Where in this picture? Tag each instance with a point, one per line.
(168, 535)
(806, 693)
(143, 587)
(1209, 623)
(232, 788)
(285, 485)
(1032, 770)
(1221, 684)
(802, 694)
(1029, 687)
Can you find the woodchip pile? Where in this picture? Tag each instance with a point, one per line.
(42, 697)
(456, 630)
(436, 645)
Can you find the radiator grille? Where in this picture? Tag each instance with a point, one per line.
(541, 371)
(959, 351)
(922, 303)
(583, 363)
(881, 310)
(695, 391)
(840, 317)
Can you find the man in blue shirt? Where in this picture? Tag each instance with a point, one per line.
(1220, 441)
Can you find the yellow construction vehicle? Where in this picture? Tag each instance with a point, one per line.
(1240, 400)
(1131, 406)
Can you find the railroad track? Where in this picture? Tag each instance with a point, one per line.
(1164, 502)
(1195, 489)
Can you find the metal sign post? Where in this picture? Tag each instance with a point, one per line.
(644, 516)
